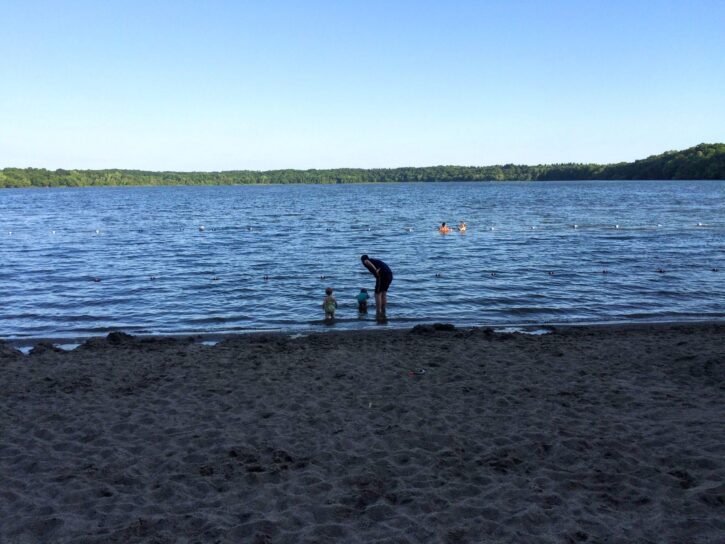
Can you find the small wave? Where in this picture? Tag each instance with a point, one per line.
(522, 330)
(215, 319)
(532, 310)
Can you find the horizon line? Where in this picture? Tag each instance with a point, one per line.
(357, 167)
(161, 171)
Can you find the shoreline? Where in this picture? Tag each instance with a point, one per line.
(431, 434)
(199, 337)
(335, 183)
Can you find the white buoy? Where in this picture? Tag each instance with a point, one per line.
(616, 226)
(201, 228)
(52, 232)
(575, 226)
(493, 228)
(533, 228)
(98, 231)
(700, 225)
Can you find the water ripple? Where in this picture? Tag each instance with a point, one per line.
(84, 261)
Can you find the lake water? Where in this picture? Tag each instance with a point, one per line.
(79, 262)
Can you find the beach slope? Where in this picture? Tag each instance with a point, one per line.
(587, 434)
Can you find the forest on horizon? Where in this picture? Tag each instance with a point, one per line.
(704, 161)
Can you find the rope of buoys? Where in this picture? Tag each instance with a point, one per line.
(446, 229)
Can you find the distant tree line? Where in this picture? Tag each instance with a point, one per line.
(704, 161)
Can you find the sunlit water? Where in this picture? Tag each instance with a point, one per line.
(79, 262)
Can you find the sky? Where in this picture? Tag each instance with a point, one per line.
(230, 85)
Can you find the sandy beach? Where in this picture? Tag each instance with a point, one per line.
(586, 434)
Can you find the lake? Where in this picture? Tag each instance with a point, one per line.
(83, 261)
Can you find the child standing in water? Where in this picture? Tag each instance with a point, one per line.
(362, 301)
(329, 304)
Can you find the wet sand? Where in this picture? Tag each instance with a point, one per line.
(587, 434)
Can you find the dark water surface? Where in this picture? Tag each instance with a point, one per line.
(521, 261)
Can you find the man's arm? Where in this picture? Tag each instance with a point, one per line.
(370, 266)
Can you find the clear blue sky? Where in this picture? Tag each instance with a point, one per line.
(220, 85)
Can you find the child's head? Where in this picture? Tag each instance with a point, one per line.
(363, 290)
(328, 291)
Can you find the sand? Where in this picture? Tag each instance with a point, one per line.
(590, 434)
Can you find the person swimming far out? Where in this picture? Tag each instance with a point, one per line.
(462, 226)
(444, 229)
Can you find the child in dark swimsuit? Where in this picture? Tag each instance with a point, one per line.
(362, 301)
